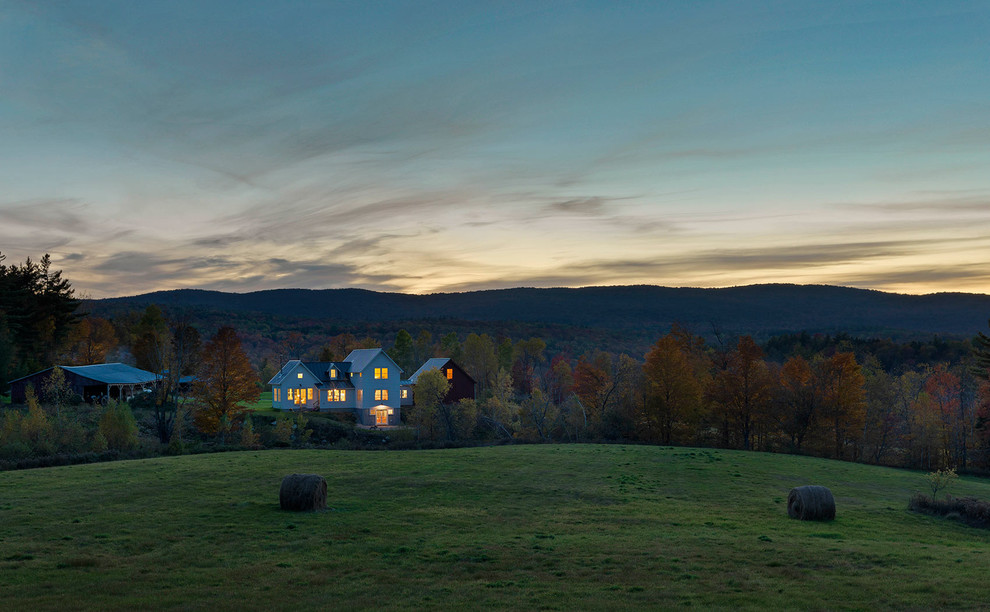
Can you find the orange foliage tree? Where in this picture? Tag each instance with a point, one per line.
(844, 399)
(741, 392)
(673, 394)
(224, 380)
(90, 341)
(944, 392)
(797, 400)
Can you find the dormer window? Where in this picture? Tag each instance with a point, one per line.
(333, 372)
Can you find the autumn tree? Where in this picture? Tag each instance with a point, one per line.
(495, 413)
(883, 429)
(797, 400)
(673, 393)
(429, 414)
(527, 363)
(480, 360)
(91, 341)
(598, 379)
(944, 391)
(843, 400)
(224, 380)
(741, 392)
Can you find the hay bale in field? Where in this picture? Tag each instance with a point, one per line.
(303, 492)
(811, 503)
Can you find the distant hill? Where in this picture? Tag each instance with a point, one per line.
(761, 310)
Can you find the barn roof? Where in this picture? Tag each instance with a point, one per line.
(107, 373)
(434, 363)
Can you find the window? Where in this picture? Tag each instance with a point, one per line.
(336, 395)
(384, 394)
(450, 373)
(381, 372)
(404, 393)
(309, 393)
(381, 395)
(275, 393)
(333, 373)
(299, 375)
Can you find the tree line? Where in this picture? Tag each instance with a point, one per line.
(916, 404)
(684, 391)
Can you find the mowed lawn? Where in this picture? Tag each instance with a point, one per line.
(525, 527)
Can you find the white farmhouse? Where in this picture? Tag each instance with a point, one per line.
(365, 383)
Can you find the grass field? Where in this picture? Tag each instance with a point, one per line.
(524, 527)
(264, 403)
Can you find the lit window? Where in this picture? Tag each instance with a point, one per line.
(343, 395)
(309, 393)
(299, 375)
(450, 373)
(378, 372)
(336, 395)
(276, 394)
(405, 393)
(384, 394)
(378, 395)
(384, 372)
(333, 373)
(329, 395)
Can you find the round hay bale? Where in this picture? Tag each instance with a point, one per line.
(811, 503)
(303, 492)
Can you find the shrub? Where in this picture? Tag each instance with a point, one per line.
(940, 480)
(283, 430)
(118, 426)
(249, 439)
(969, 510)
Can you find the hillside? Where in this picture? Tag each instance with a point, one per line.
(761, 310)
(517, 527)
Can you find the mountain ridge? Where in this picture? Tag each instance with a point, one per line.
(753, 309)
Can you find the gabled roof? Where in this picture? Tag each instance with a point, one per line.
(435, 363)
(107, 373)
(288, 367)
(360, 358)
(320, 370)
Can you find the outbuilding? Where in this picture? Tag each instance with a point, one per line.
(92, 382)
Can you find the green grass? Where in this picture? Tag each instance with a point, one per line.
(523, 527)
(264, 403)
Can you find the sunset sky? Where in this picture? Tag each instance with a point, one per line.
(449, 146)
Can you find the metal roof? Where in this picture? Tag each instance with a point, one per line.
(434, 363)
(111, 373)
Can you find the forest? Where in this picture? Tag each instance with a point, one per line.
(917, 403)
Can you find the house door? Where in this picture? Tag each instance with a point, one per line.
(381, 416)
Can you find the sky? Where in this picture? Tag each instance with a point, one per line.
(429, 147)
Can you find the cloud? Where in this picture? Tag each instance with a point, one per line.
(582, 206)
